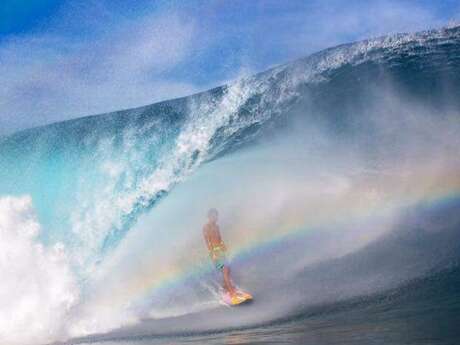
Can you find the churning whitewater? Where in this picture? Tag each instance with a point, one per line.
(337, 177)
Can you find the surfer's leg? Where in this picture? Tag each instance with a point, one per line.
(227, 281)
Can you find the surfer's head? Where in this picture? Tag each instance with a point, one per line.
(213, 215)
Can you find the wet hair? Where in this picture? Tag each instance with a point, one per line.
(213, 212)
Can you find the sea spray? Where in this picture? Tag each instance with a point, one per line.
(38, 287)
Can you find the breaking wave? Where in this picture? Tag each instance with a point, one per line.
(332, 173)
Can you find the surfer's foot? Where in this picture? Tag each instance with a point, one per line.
(239, 294)
(244, 295)
(232, 293)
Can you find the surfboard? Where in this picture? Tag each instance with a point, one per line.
(241, 297)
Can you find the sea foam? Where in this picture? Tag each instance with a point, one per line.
(38, 287)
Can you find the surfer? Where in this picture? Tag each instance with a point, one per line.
(217, 249)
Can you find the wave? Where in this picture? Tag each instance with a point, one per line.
(310, 162)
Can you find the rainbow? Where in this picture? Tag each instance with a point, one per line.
(297, 224)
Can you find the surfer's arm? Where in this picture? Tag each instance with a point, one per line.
(221, 241)
(206, 239)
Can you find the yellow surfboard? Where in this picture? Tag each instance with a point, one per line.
(239, 298)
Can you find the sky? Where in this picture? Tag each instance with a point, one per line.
(66, 59)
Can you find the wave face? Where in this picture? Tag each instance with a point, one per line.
(337, 176)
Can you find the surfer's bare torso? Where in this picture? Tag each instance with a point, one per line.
(211, 233)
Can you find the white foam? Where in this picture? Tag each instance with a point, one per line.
(38, 288)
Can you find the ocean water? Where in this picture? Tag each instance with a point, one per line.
(423, 312)
(337, 178)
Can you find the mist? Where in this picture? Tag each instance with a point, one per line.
(308, 201)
